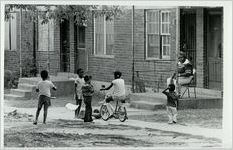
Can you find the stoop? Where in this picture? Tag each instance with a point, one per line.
(154, 101)
(148, 101)
(26, 88)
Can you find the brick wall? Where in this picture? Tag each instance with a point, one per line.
(12, 58)
(54, 56)
(11, 61)
(200, 47)
(101, 68)
(154, 70)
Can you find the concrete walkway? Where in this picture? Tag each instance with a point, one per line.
(63, 113)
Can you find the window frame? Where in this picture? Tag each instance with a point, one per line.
(48, 27)
(160, 34)
(105, 40)
(10, 33)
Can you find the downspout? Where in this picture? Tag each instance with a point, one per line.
(34, 48)
(133, 49)
(20, 45)
(48, 61)
(177, 38)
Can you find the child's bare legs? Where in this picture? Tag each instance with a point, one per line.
(45, 112)
(78, 102)
(37, 114)
(43, 100)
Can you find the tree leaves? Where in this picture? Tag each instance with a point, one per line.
(80, 13)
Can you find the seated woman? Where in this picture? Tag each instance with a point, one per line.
(185, 73)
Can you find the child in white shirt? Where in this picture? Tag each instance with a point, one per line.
(43, 87)
(118, 85)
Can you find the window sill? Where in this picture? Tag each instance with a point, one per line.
(10, 49)
(104, 56)
(45, 51)
(158, 59)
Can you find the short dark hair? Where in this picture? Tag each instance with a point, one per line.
(44, 74)
(117, 74)
(79, 70)
(87, 78)
(171, 87)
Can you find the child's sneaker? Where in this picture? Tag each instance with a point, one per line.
(35, 122)
(174, 121)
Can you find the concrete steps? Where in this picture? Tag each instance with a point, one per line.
(14, 97)
(150, 97)
(147, 105)
(148, 101)
(31, 81)
(26, 88)
(155, 101)
(25, 91)
(20, 92)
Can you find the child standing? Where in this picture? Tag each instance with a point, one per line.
(87, 91)
(79, 82)
(43, 87)
(172, 102)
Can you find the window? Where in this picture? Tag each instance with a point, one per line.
(103, 36)
(81, 37)
(11, 33)
(46, 36)
(157, 34)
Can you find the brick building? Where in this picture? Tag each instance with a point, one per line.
(156, 34)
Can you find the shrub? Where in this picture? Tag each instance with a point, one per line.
(29, 68)
(11, 79)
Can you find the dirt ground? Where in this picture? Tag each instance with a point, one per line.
(76, 133)
(19, 131)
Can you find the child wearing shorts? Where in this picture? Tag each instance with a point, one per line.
(43, 87)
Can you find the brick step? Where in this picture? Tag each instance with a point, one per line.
(28, 87)
(147, 105)
(14, 97)
(19, 92)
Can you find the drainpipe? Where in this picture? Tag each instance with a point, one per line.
(34, 48)
(177, 38)
(133, 49)
(20, 45)
(48, 62)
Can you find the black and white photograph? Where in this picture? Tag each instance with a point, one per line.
(116, 74)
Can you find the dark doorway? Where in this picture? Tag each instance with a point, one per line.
(65, 48)
(80, 50)
(214, 52)
(188, 34)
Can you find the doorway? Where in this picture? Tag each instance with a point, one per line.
(214, 29)
(65, 48)
(80, 50)
(188, 34)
